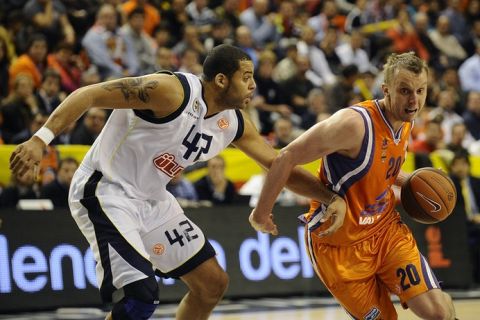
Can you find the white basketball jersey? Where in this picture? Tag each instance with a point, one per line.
(142, 153)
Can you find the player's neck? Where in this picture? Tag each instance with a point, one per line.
(210, 96)
(389, 116)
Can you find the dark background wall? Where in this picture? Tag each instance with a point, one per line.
(45, 262)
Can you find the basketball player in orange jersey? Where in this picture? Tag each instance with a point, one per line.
(373, 253)
(161, 124)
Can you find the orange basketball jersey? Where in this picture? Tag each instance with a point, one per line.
(364, 182)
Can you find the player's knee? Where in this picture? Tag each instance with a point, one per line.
(215, 287)
(140, 301)
(441, 310)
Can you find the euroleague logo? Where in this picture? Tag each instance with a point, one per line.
(158, 249)
(223, 123)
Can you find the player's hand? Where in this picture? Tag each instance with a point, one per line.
(336, 211)
(27, 156)
(263, 223)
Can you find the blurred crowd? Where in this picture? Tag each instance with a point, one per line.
(312, 58)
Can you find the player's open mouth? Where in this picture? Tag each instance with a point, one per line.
(410, 111)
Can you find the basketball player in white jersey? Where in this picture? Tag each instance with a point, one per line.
(161, 124)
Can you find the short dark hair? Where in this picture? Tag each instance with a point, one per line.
(224, 59)
(135, 11)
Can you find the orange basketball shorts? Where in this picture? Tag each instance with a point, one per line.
(362, 276)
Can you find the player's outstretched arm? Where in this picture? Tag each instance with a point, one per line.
(135, 93)
(324, 138)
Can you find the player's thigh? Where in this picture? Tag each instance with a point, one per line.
(366, 299)
(404, 269)
(110, 224)
(349, 274)
(177, 246)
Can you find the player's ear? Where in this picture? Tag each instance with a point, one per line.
(221, 80)
(385, 89)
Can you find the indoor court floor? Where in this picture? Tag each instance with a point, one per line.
(467, 304)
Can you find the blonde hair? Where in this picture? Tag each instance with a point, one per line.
(408, 61)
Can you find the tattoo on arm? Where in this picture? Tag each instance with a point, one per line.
(132, 87)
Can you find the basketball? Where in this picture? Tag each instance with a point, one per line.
(428, 196)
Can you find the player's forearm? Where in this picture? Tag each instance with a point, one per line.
(277, 177)
(401, 178)
(305, 184)
(70, 110)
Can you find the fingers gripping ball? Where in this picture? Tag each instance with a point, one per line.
(428, 196)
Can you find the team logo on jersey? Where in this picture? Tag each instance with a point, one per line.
(373, 314)
(196, 106)
(384, 149)
(223, 123)
(167, 164)
(158, 249)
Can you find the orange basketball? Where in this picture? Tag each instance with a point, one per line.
(428, 196)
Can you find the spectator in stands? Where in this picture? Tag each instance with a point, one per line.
(189, 40)
(352, 52)
(422, 27)
(269, 98)
(88, 130)
(162, 36)
(284, 19)
(432, 139)
(50, 18)
(468, 200)
(37, 122)
(328, 45)
(469, 71)
(183, 190)
(106, 48)
(307, 46)
(326, 18)
(296, 88)
(458, 22)
(445, 110)
(404, 36)
(356, 18)
(166, 60)
(18, 108)
(215, 186)
(458, 141)
(33, 62)
(472, 114)
(244, 40)
(283, 133)
(49, 95)
(228, 13)
(175, 19)
(260, 23)
(317, 108)
(4, 65)
(473, 38)
(151, 15)
(23, 187)
(67, 65)
(221, 34)
(340, 94)
(287, 68)
(201, 16)
(57, 190)
(451, 49)
(142, 43)
(190, 62)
